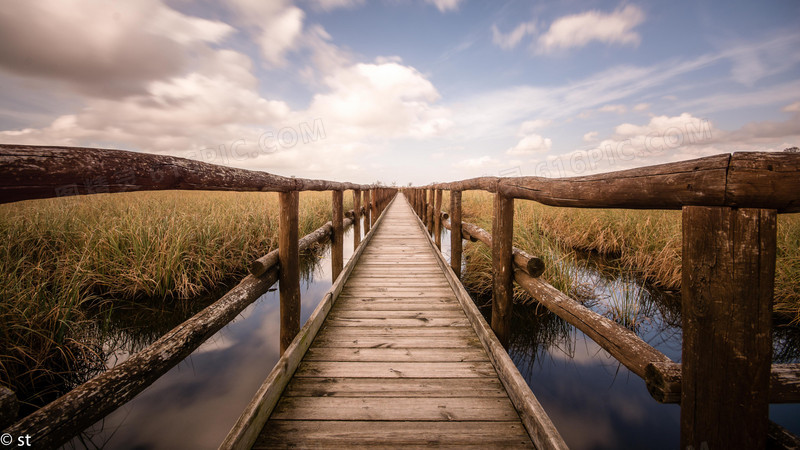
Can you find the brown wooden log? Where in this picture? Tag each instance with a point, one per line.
(289, 257)
(356, 218)
(31, 172)
(664, 382)
(748, 179)
(337, 244)
(781, 438)
(502, 267)
(424, 216)
(727, 290)
(532, 265)
(437, 219)
(623, 344)
(455, 233)
(373, 214)
(9, 407)
(57, 422)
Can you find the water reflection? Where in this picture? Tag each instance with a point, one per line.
(197, 402)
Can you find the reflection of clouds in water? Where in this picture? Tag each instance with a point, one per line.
(573, 428)
(195, 404)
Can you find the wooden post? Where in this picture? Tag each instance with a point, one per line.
(429, 213)
(356, 218)
(424, 198)
(337, 240)
(289, 275)
(437, 219)
(366, 211)
(727, 287)
(455, 232)
(502, 264)
(373, 216)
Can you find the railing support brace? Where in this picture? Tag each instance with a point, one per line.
(455, 232)
(503, 270)
(337, 244)
(289, 274)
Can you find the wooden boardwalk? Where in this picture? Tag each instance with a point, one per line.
(396, 361)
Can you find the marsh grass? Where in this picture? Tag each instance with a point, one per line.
(67, 261)
(646, 244)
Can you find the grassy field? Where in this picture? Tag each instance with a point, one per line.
(647, 243)
(63, 259)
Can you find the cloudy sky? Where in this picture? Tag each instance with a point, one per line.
(403, 90)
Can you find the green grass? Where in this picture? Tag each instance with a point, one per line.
(62, 258)
(644, 243)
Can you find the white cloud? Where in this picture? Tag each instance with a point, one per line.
(507, 41)
(445, 5)
(532, 143)
(276, 26)
(530, 126)
(641, 107)
(579, 30)
(329, 5)
(590, 136)
(619, 109)
(98, 47)
(481, 162)
(794, 107)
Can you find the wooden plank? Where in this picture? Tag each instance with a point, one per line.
(389, 332)
(289, 273)
(395, 322)
(400, 306)
(356, 218)
(437, 219)
(417, 314)
(377, 408)
(338, 434)
(394, 369)
(727, 291)
(396, 342)
(396, 387)
(395, 354)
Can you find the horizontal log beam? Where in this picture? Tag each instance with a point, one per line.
(743, 180)
(664, 382)
(532, 265)
(31, 172)
(263, 264)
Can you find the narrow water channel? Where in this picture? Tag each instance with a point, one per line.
(594, 401)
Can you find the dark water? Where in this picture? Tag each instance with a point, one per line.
(196, 403)
(593, 400)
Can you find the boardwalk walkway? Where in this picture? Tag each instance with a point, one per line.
(396, 362)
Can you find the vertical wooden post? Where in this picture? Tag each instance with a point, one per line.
(429, 215)
(366, 211)
(728, 273)
(455, 232)
(424, 198)
(356, 218)
(437, 219)
(337, 240)
(503, 270)
(373, 216)
(289, 273)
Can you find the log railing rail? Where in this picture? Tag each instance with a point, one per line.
(729, 205)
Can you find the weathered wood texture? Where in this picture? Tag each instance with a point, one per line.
(437, 219)
(367, 212)
(502, 267)
(289, 259)
(396, 362)
(9, 407)
(337, 240)
(532, 265)
(30, 172)
(664, 382)
(727, 289)
(456, 249)
(249, 424)
(747, 179)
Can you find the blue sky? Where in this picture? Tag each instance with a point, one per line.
(405, 91)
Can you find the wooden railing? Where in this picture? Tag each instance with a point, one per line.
(30, 172)
(730, 203)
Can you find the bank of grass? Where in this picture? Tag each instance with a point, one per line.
(60, 257)
(647, 243)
